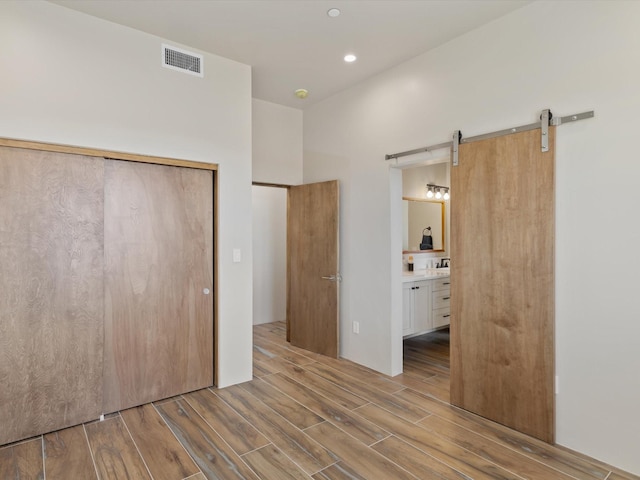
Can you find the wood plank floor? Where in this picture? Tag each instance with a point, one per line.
(304, 416)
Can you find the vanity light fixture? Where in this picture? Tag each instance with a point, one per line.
(430, 191)
(437, 191)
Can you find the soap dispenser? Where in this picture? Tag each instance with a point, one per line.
(410, 263)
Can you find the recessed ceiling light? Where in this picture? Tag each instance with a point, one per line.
(333, 12)
(350, 58)
(301, 93)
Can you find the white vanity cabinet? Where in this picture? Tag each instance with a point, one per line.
(407, 308)
(416, 309)
(440, 302)
(425, 305)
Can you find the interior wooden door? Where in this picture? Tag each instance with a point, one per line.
(158, 282)
(313, 267)
(51, 291)
(502, 281)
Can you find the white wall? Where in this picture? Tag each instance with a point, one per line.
(72, 79)
(277, 143)
(269, 254)
(415, 179)
(568, 56)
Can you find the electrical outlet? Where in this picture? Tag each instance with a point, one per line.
(237, 255)
(356, 327)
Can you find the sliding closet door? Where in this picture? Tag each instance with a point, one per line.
(51, 291)
(158, 282)
(502, 281)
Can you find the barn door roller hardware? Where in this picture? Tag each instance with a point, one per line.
(455, 144)
(546, 119)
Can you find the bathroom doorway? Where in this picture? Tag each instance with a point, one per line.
(425, 344)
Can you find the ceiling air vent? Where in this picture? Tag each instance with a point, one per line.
(183, 61)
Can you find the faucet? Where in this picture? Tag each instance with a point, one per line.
(444, 262)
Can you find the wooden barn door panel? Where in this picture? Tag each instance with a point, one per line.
(158, 263)
(502, 289)
(51, 291)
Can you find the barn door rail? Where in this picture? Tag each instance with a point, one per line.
(546, 119)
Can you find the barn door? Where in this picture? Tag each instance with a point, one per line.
(502, 289)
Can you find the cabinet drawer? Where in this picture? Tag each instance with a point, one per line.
(441, 317)
(421, 284)
(441, 299)
(441, 284)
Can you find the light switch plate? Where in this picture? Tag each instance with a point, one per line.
(237, 256)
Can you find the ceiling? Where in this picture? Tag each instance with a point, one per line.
(293, 44)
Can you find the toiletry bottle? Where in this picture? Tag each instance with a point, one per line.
(410, 263)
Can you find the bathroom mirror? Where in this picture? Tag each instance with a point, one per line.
(419, 214)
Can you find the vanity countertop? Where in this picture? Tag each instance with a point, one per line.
(428, 274)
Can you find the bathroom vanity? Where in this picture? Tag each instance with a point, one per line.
(425, 301)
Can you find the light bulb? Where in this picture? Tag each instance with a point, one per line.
(430, 193)
(446, 195)
(439, 194)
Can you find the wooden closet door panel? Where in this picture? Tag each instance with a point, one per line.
(158, 261)
(51, 291)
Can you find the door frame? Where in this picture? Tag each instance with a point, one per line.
(288, 323)
(285, 187)
(286, 298)
(396, 194)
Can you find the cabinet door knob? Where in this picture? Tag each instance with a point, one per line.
(446, 298)
(206, 291)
